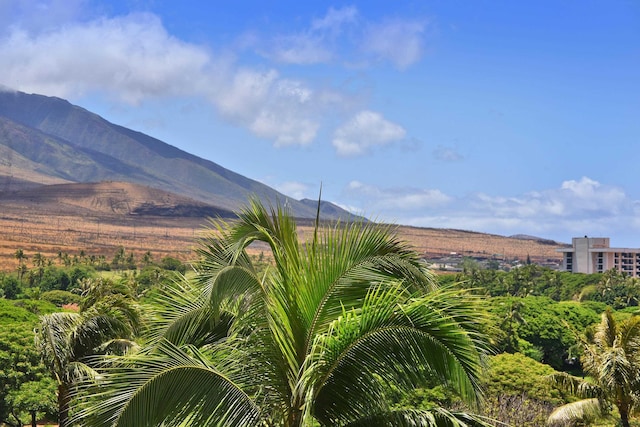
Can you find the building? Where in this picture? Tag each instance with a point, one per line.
(593, 255)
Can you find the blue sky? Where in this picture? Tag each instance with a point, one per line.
(495, 116)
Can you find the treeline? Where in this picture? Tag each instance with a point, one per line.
(59, 279)
(612, 288)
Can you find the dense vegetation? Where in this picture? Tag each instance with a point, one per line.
(545, 329)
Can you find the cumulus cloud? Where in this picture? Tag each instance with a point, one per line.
(383, 200)
(133, 58)
(271, 107)
(398, 41)
(335, 19)
(294, 189)
(585, 197)
(313, 45)
(575, 208)
(365, 130)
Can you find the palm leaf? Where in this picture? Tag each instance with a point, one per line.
(165, 388)
(423, 418)
(389, 342)
(585, 410)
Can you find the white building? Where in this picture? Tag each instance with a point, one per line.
(593, 255)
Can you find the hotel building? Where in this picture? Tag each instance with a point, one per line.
(593, 255)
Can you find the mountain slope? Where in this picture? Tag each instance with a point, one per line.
(53, 141)
(108, 198)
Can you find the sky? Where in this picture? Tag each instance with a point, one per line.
(505, 117)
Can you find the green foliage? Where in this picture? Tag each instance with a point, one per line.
(516, 374)
(173, 264)
(60, 298)
(123, 261)
(11, 287)
(37, 307)
(610, 360)
(108, 320)
(615, 289)
(517, 390)
(11, 313)
(42, 279)
(542, 326)
(34, 400)
(151, 277)
(526, 280)
(19, 361)
(53, 277)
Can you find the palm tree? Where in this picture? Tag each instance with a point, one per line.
(612, 362)
(22, 267)
(66, 341)
(316, 340)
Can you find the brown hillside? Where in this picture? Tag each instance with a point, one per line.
(98, 218)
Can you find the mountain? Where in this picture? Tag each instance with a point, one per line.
(47, 140)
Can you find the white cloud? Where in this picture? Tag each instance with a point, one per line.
(575, 208)
(133, 59)
(132, 56)
(39, 15)
(294, 189)
(344, 35)
(303, 49)
(282, 110)
(364, 131)
(381, 201)
(447, 154)
(335, 19)
(574, 199)
(398, 41)
(311, 46)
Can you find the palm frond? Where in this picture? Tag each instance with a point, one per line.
(437, 417)
(347, 262)
(606, 330)
(164, 388)
(394, 343)
(629, 336)
(582, 410)
(576, 386)
(52, 340)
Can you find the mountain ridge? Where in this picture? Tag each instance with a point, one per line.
(59, 142)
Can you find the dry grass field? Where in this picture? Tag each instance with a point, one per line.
(98, 219)
(51, 233)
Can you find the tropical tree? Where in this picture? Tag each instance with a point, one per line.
(22, 267)
(612, 362)
(35, 398)
(66, 341)
(315, 340)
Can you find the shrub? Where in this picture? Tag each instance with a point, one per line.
(60, 298)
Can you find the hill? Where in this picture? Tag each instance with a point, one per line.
(47, 140)
(98, 218)
(107, 198)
